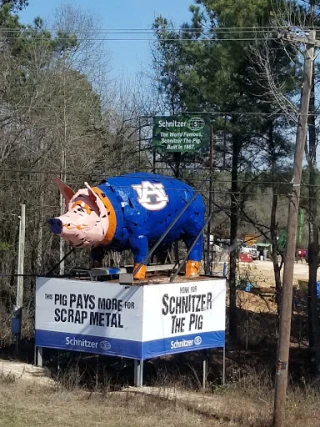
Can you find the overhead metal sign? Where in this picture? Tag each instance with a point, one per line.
(180, 134)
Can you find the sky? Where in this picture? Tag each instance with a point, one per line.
(128, 56)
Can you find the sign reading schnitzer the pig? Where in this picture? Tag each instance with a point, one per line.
(181, 317)
(135, 322)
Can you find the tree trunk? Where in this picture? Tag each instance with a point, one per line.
(273, 233)
(233, 330)
(273, 221)
(313, 247)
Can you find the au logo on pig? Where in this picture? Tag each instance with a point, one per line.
(151, 196)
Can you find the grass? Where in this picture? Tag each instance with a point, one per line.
(24, 404)
(28, 405)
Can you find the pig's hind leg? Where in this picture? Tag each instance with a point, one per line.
(195, 256)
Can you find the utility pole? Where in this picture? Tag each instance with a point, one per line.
(19, 297)
(287, 289)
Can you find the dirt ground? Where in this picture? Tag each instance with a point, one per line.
(25, 372)
(261, 272)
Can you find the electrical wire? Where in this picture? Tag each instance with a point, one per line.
(61, 34)
(213, 113)
(178, 29)
(167, 39)
(102, 177)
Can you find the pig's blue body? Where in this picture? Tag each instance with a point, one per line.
(138, 227)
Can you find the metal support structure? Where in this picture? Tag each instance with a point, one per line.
(204, 372)
(138, 373)
(38, 356)
(224, 365)
(224, 142)
(58, 263)
(63, 177)
(20, 278)
(177, 161)
(153, 160)
(139, 161)
(62, 243)
(35, 355)
(208, 263)
(22, 235)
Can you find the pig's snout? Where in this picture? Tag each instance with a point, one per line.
(55, 225)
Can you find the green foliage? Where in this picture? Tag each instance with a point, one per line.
(15, 5)
(241, 13)
(207, 66)
(5, 246)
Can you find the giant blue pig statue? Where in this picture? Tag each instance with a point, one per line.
(132, 212)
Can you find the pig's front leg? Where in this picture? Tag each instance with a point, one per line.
(195, 256)
(139, 247)
(97, 254)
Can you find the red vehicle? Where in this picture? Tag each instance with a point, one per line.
(301, 253)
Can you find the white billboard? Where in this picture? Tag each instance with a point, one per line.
(137, 322)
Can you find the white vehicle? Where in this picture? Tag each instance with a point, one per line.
(213, 246)
(249, 250)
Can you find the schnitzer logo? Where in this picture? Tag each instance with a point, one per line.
(185, 343)
(105, 345)
(151, 196)
(198, 340)
(196, 124)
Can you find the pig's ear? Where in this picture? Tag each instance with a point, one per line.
(66, 191)
(91, 193)
(93, 196)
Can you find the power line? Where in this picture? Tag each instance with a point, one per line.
(174, 189)
(151, 39)
(181, 33)
(178, 29)
(224, 31)
(213, 113)
(99, 174)
(102, 176)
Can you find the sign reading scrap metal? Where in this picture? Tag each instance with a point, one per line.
(135, 322)
(184, 133)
